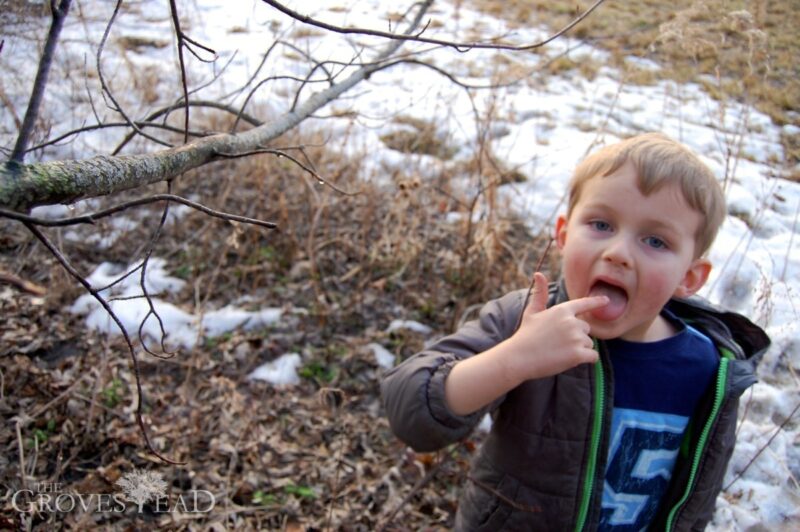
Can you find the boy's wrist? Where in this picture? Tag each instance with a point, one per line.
(479, 380)
(515, 362)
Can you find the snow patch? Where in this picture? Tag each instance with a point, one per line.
(410, 325)
(280, 372)
(383, 356)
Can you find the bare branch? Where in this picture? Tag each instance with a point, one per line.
(240, 114)
(103, 303)
(460, 46)
(451, 77)
(109, 125)
(252, 93)
(25, 186)
(307, 80)
(185, 42)
(763, 447)
(444, 457)
(281, 153)
(92, 218)
(143, 286)
(179, 35)
(255, 73)
(31, 114)
(107, 90)
(22, 284)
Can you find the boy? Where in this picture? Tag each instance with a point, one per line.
(614, 397)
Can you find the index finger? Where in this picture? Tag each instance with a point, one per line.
(585, 304)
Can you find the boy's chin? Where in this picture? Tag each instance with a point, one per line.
(608, 330)
(603, 329)
(641, 331)
(603, 334)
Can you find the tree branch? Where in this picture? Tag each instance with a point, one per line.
(240, 114)
(107, 90)
(103, 303)
(185, 42)
(460, 46)
(32, 113)
(92, 218)
(23, 187)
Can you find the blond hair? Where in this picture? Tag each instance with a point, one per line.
(658, 161)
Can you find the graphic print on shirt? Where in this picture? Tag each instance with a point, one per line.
(642, 452)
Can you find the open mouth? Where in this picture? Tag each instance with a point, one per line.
(617, 300)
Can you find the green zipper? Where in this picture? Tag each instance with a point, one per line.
(597, 425)
(722, 379)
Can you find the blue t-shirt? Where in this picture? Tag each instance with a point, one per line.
(657, 386)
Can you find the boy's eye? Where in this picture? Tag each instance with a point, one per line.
(655, 242)
(600, 225)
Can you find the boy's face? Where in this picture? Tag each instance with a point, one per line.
(638, 250)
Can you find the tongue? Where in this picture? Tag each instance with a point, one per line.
(617, 301)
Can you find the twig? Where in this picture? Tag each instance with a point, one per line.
(414, 490)
(533, 279)
(185, 42)
(763, 447)
(22, 284)
(107, 91)
(152, 309)
(454, 79)
(318, 65)
(280, 153)
(42, 409)
(32, 113)
(254, 75)
(460, 46)
(176, 23)
(95, 127)
(252, 92)
(791, 240)
(332, 399)
(21, 453)
(131, 351)
(195, 103)
(92, 218)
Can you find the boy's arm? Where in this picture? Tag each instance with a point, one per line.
(548, 341)
(414, 392)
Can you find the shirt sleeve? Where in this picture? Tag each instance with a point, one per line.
(413, 392)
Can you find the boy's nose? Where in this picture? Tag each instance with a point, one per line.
(618, 252)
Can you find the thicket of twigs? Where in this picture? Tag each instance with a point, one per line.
(342, 266)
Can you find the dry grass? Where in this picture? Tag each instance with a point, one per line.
(348, 259)
(748, 48)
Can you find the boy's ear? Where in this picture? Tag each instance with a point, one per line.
(694, 279)
(561, 231)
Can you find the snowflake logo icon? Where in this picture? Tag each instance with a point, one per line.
(141, 486)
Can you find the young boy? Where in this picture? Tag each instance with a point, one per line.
(614, 397)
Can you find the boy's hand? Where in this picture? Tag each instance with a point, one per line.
(548, 341)
(555, 339)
